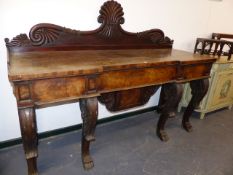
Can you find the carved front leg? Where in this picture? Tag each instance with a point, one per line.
(199, 90)
(89, 112)
(169, 98)
(29, 136)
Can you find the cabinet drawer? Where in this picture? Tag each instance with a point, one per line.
(52, 90)
(115, 80)
(196, 71)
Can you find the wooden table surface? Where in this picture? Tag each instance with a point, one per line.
(33, 65)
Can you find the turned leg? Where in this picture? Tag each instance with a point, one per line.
(89, 112)
(169, 99)
(28, 127)
(199, 90)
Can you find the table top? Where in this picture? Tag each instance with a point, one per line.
(50, 64)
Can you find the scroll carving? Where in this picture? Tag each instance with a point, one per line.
(44, 34)
(156, 36)
(40, 35)
(18, 41)
(110, 35)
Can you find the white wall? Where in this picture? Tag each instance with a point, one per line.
(182, 20)
(221, 17)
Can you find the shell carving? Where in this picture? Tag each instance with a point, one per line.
(111, 17)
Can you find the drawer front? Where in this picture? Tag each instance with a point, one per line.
(196, 71)
(116, 80)
(52, 90)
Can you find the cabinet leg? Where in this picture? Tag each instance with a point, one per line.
(202, 116)
(199, 89)
(28, 127)
(89, 112)
(169, 99)
(179, 108)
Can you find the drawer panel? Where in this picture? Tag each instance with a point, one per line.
(136, 78)
(52, 90)
(196, 71)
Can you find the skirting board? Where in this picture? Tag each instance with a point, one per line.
(47, 134)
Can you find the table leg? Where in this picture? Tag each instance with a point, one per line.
(169, 99)
(28, 127)
(199, 90)
(89, 112)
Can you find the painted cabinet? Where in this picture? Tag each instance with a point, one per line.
(220, 93)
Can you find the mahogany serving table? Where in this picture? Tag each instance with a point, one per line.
(120, 69)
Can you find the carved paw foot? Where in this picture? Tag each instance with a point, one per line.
(187, 126)
(162, 135)
(87, 162)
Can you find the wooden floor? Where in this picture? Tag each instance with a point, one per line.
(130, 147)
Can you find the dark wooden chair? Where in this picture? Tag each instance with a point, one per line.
(220, 36)
(216, 42)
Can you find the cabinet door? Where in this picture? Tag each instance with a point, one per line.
(223, 93)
